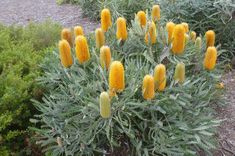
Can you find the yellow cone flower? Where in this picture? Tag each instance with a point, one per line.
(178, 39)
(121, 29)
(105, 57)
(186, 27)
(210, 58)
(142, 18)
(106, 20)
(198, 43)
(180, 72)
(156, 13)
(99, 38)
(170, 28)
(210, 38)
(193, 35)
(78, 30)
(152, 34)
(160, 77)
(105, 106)
(66, 34)
(148, 87)
(116, 77)
(65, 53)
(82, 50)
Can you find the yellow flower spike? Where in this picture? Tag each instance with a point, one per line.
(193, 35)
(142, 18)
(180, 72)
(186, 38)
(66, 34)
(99, 38)
(106, 19)
(186, 27)
(148, 87)
(82, 50)
(121, 29)
(152, 33)
(160, 77)
(78, 30)
(65, 53)
(219, 85)
(105, 106)
(210, 38)
(156, 13)
(178, 39)
(170, 28)
(210, 58)
(105, 57)
(116, 77)
(198, 43)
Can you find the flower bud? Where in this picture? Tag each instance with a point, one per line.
(105, 57)
(78, 30)
(160, 77)
(210, 58)
(156, 13)
(106, 20)
(121, 29)
(148, 87)
(82, 50)
(105, 106)
(65, 53)
(67, 35)
(180, 72)
(99, 38)
(142, 18)
(210, 38)
(178, 42)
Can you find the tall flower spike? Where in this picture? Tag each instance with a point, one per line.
(186, 27)
(156, 13)
(180, 72)
(78, 30)
(82, 50)
(121, 29)
(105, 57)
(148, 87)
(66, 34)
(151, 33)
(65, 53)
(178, 39)
(105, 106)
(99, 38)
(142, 18)
(193, 36)
(160, 77)
(210, 38)
(198, 43)
(210, 58)
(116, 77)
(170, 28)
(106, 20)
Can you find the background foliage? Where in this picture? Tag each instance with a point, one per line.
(178, 121)
(21, 50)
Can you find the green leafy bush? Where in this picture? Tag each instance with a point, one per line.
(21, 50)
(178, 121)
(204, 15)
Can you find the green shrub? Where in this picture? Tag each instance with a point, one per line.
(178, 121)
(21, 50)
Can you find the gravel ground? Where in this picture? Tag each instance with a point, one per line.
(23, 11)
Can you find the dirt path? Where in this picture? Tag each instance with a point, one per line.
(226, 134)
(23, 11)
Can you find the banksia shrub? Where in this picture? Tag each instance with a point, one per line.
(148, 87)
(210, 38)
(151, 33)
(186, 27)
(156, 13)
(121, 29)
(116, 77)
(193, 35)
(180, 72)
(198, 43)
(178, 42)
(99, 38)
(82, 50)
(106, 19)
(105, 106)
(210, 58)
(78, 30)
(142, 18)
(65, 53)
(66, 34)
(170, 28)
(160, 77)
(105, 57)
